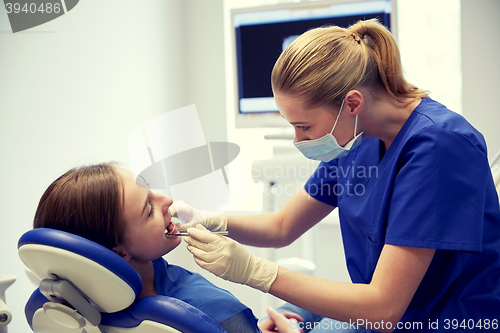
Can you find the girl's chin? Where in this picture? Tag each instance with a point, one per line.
(173, 243)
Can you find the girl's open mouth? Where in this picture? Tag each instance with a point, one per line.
(171, 228)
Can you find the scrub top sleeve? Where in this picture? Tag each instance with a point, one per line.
(322, 184)
(438, 196)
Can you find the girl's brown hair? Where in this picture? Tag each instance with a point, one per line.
(324, 64)
(85, 201)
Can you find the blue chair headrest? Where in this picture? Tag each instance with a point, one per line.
(106, 280)
(103, 276)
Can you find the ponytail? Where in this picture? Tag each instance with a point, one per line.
(383, 51)
(323, 64)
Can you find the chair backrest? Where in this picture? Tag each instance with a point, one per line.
(86, 286)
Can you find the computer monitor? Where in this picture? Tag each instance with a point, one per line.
(260, 34)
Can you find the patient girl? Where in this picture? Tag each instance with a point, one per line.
(103, 203)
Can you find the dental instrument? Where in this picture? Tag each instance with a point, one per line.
(186, 234)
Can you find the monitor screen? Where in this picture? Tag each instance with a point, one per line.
(262, 33)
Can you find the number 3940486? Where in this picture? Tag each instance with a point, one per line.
(33, 8)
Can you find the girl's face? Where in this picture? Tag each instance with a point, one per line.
(147, 221)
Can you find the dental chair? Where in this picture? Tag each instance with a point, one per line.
(86, 287)
(5, 314)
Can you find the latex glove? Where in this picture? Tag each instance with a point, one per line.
(230, 260)
(285, 322)
(190, 217)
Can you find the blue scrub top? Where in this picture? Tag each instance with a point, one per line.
(194, 289)
(432, 189)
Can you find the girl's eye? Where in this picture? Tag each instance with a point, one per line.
(151, 211)
(304, 128)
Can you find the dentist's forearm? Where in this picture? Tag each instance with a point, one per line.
(257, 230)
(399, 271)
(281, 228)
(346, 302)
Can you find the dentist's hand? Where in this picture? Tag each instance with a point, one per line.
(229, 260)
(190, 217)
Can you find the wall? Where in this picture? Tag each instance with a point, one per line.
(433, 63)
(204, 59)
(481, 68)
(73, 89)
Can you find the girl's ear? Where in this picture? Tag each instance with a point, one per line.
(122, 252)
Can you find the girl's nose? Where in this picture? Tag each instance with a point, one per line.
(166, 203)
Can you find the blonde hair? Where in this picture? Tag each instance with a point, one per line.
(324, 64)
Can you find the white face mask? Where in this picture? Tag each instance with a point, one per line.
(326, 148)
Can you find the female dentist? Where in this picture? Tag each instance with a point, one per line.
(419, 213)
